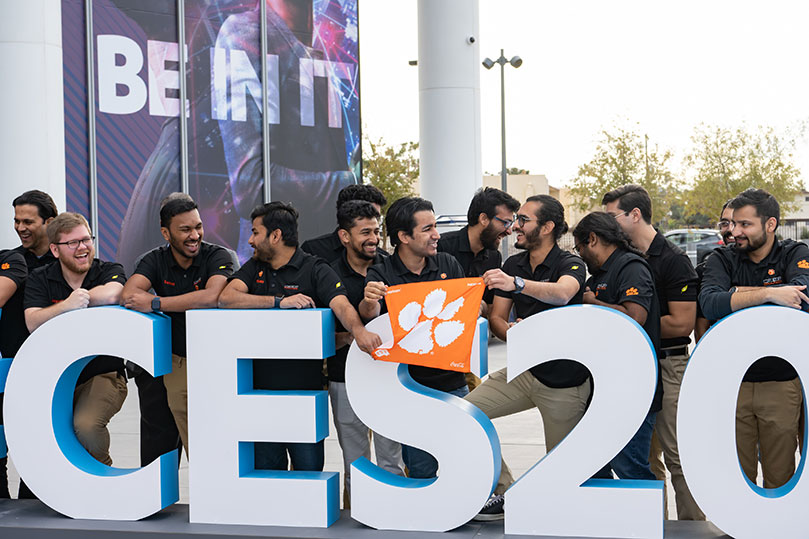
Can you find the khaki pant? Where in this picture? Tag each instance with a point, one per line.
(664, 440)
(95, 401)
(176, 383)
(561, 409)
(767, 415)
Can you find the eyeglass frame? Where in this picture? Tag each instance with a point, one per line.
(522, 219)
(86, 241)
(507, 223)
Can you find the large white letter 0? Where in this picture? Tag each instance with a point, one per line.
(38, 415)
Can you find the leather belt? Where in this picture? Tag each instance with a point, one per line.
(681, 351)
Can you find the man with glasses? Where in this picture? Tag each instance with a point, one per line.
(76, 281)
(725, 228)
(541, 277)
(676, 283)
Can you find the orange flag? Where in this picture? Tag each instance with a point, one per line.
(433, 323)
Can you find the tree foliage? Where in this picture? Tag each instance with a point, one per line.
(623, 156)
(724, 162)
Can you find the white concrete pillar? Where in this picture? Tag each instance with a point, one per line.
(32, 129)
(449, 103)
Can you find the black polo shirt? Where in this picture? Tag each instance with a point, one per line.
(626, 277)
(354, 285)
(786, 264)
(12, 266)
(46, 286)
(392, 271)
(457, 244)
(303, 274)
(13, 330)
(328, 246)
(168, 278)
(675, 280)
(562, 372)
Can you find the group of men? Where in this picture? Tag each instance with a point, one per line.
(632, 268)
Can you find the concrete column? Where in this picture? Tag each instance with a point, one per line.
(449, 103)
(32, 130)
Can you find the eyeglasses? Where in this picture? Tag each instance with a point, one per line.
(74, 244)
(577, 247)
(522, 219)
(724, 223)
(617, 215)
(506, 222)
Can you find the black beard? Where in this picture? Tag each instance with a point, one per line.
(488, 237)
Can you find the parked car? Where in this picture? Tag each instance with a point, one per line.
(696, 242)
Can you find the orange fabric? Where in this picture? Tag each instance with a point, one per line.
(433, 323)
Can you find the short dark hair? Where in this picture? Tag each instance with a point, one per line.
(629, 197)
(46, 207)
(401, 216)
(486, 201)
(173, 205)
(352, 210)
(551, 210)
(765, 204)
(361, 191)
(606, 227)
(279, 216)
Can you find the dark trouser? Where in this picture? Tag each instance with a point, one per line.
(305, 457)
(158, 432)
(633, 460)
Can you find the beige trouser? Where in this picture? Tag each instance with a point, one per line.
(561, 409)
(664, 440)
(767, 415)
(95, 401)
(176, 383)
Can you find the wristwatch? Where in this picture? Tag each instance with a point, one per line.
(277, 304)
(156, 303)
(519, 284)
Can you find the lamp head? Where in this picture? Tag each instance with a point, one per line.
(516, 61)
(488, 63)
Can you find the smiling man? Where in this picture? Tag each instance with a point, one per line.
(77, 280)
(760, 269)
(186, 273)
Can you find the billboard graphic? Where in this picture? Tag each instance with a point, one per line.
(313, 114)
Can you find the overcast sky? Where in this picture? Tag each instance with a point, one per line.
(667, 65)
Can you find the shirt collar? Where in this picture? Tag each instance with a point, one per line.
(769, 259)
(296, 261)
(616, 254)
(401, 269)
(172, 261)
(549, 262)
(657, 245)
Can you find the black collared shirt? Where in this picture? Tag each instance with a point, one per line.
(303, 274)
(328, 246)
(457, 244)
(786, 264)
(12, 266)
(46, 286)
(13, 330)
(169, 279)
(675, 280)
(626, 277)
(562, 372)
(354, 285)
(392, 271)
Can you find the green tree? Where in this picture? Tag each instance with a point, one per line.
(392, 169)
(623, 156)
(723, 162)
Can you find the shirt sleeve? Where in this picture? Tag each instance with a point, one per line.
(13, 266)
(148, 267)
(574, 267)
(681, 280)
(797, 269)
(246, 274)
(327, 283)
(111, 272)
(635, 284)
(714, 295)
(36, 290)
(220, 263)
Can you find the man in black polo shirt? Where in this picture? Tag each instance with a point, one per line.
(33, 210)
(676, 284)
(540, 278)
(281, 276)
(186, 273)
(412, 231)
(621, 280)
(725, 227)
(358, 228)
(759, 269)
(328, 246)
(77, 281)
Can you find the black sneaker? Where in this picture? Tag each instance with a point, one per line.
(492, 509)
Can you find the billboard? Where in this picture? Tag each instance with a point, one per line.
(312, 90)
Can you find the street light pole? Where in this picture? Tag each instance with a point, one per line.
(488, 63)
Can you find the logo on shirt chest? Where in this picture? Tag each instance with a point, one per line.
(292, 287)
(196, 283)
(168, 283)
(600, 287)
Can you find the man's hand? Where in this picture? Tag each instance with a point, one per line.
(375, 290)
(367, 341)
(788, 296)
(496, 278)
(138, 300)
(514, 323)
(588, 296)
(298, 301)
(78, 299)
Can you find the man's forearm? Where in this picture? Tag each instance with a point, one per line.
(233, 299)
(35, 318)
(499, 326)
(551, 293)
(369, 309)
(749, 297)
(198, 299)
(107, 294)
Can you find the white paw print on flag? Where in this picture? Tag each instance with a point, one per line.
(438, 328)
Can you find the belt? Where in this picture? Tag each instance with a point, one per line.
(681, 351)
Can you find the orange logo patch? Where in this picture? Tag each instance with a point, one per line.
(261, 273)
(632, 292)
(772, 271)
(803, 264)
(443, 275)
(5, 266)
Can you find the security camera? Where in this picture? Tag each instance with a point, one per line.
(470, 39)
